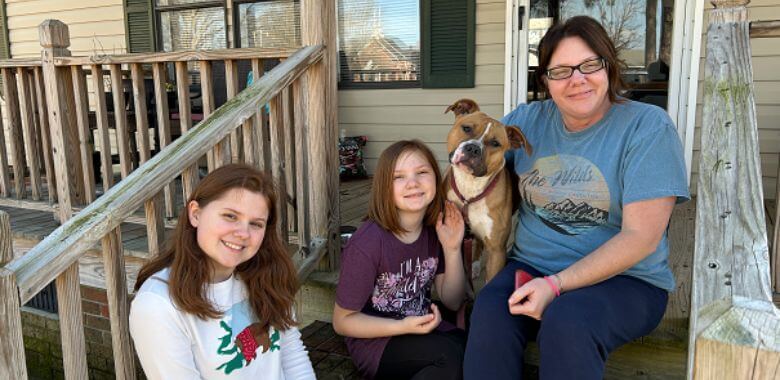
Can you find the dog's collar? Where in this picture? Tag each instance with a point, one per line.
(466, 202)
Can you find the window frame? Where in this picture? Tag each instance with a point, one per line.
(395, 85)
(159, 9)
(236, 19)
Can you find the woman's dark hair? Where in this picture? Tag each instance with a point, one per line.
(594, 35)
(381, 208)
(270, 277)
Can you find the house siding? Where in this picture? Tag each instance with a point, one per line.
(386, 116)
(766, 82)
(95, 26)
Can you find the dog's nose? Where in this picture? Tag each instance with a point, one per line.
(472, 149)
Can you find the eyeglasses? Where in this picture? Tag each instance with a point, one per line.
(565, 72)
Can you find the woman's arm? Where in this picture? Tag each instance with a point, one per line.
(644, 223)
(295, 360)
(451, 285)
(163, 346)
(359, 325)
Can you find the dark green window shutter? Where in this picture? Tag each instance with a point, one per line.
(448, 29)
(139, 26)
(5, 47)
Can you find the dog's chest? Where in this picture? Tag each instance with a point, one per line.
(479, 219)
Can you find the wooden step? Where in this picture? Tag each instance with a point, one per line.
(637, 360)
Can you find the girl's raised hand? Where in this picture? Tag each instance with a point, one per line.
(422, 324)
(450, 228)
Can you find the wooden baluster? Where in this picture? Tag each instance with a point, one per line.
(36, 127)
(231, 79)
(12, 363)
(277, 160)
(5, 180)
(55, 39)
(248, 143)
(85, 133)
(120, 121)
(189, 177)
(155, 229)
(118, 310)
(15, 132)
(101, 119)
(163, 125)
(301, 175)
(43, 123)
(289, 157)
(28, 131)
(220, 155)
(141, 114)
(260, 122)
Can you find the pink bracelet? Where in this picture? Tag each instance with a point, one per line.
(552, 285)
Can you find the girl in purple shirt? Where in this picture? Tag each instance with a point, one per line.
(408, 244)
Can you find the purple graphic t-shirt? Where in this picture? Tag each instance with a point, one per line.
(384, 277)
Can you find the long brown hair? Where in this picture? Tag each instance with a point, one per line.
(382, 209)
(270, 276)
(597, 39)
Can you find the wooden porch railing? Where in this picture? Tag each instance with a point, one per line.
(734, 326)
(234, 132)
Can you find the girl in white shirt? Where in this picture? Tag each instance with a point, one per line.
(218, 302)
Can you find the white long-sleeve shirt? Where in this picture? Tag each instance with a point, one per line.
(172, 344)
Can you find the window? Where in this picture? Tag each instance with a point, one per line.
(268, 24)
(379, 42)
(191, 24)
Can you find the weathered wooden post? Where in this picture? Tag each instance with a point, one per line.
(735, 328)
(318, 26)
(12, 364)
(59, 98)
(62, 117)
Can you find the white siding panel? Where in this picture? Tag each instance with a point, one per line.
(95, 26)
(766, 60)
(490, 13)
(482, 94)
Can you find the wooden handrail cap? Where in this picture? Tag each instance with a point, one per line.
(53, 34)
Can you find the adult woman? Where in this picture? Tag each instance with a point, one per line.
(597, 194)
(217, 303)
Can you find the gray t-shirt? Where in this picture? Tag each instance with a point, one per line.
(575, 184)
(384, 277)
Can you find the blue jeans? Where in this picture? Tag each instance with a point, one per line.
(577, 332)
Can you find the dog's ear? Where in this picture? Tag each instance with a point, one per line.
(463, 107)
(517, 139)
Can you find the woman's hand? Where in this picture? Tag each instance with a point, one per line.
(531, 299)
(423, 324)
(449, 228)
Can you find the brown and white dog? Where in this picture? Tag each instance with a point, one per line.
(478, 180)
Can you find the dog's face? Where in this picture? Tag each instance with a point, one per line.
(477, 142)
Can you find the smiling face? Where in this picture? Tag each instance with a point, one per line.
(414, 183)
(582, 98)
(230, 229)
